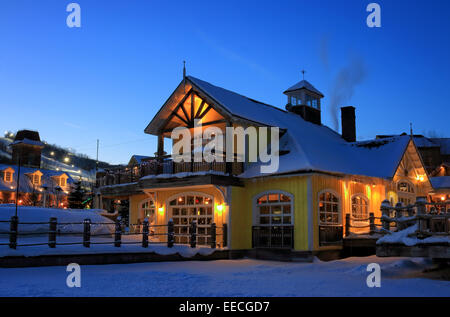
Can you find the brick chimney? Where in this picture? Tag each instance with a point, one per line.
(348, 123)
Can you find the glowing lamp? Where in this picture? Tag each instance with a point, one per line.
(442, 198)
(161, 210)
(219, 209)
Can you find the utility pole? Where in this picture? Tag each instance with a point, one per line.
(96, 162)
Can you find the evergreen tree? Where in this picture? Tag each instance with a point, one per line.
(75, 198)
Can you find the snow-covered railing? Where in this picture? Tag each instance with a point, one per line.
(130, 174)
(117, 233)
(361, 223)
(433, 219)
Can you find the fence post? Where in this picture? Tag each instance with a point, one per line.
(398, 215)
(13, 225)
(224, 235)
(213, 235)
(52, 233)
(385, 207)
(170, 234)
(422, 225)
(193, 232)
(372, 223)
(145, 233)
(87, 233)
(118, 232)
(347, 225)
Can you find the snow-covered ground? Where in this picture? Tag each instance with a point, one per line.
(70, 220)
(399, 277)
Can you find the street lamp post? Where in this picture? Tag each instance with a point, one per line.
(17, 186)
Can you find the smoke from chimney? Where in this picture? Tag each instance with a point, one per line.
(344, 87)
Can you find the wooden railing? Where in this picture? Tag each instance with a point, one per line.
(433, 219)
(84, 235)
(362, 225)
(130, 174)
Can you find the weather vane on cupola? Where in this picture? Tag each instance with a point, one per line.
(303, 73)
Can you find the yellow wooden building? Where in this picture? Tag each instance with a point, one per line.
(301, 206)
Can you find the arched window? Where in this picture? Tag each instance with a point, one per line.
(274, 209)
(329, 208)
(360, 208)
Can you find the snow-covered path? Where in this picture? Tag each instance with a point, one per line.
(228, 278)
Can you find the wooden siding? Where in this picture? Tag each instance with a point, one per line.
(242, 209)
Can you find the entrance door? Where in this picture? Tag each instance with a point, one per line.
(184, 209)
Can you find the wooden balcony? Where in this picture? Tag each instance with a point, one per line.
(131, 174)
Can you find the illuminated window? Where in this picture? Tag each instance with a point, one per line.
(360, 208)
(148, 210)
(406, 192)
(186, 208)
(8, 176)
(36, 179)
(274, 209)
(405, 187)
(328, 208)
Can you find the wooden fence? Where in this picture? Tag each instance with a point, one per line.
(116, 240)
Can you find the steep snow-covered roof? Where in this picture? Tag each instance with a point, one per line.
(311, 147)
(241, 106)
(304, 85)
(440, 182)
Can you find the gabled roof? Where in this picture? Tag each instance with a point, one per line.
(309, 147)
(239, 105)
(303, 84)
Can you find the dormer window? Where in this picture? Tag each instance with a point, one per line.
(61, 180)
(8, 175)
(36, 178)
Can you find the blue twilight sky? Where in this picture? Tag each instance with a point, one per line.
(107, 79)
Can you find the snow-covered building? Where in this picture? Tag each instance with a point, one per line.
(301, 206)
(36, 185)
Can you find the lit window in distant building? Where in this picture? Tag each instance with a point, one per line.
(36, 179)
(8, 177)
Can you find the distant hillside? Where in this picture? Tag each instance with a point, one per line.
(55, 157)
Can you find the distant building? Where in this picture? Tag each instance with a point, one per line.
(36, 185)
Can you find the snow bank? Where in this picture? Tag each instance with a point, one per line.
(42, 215)
(402, 237)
